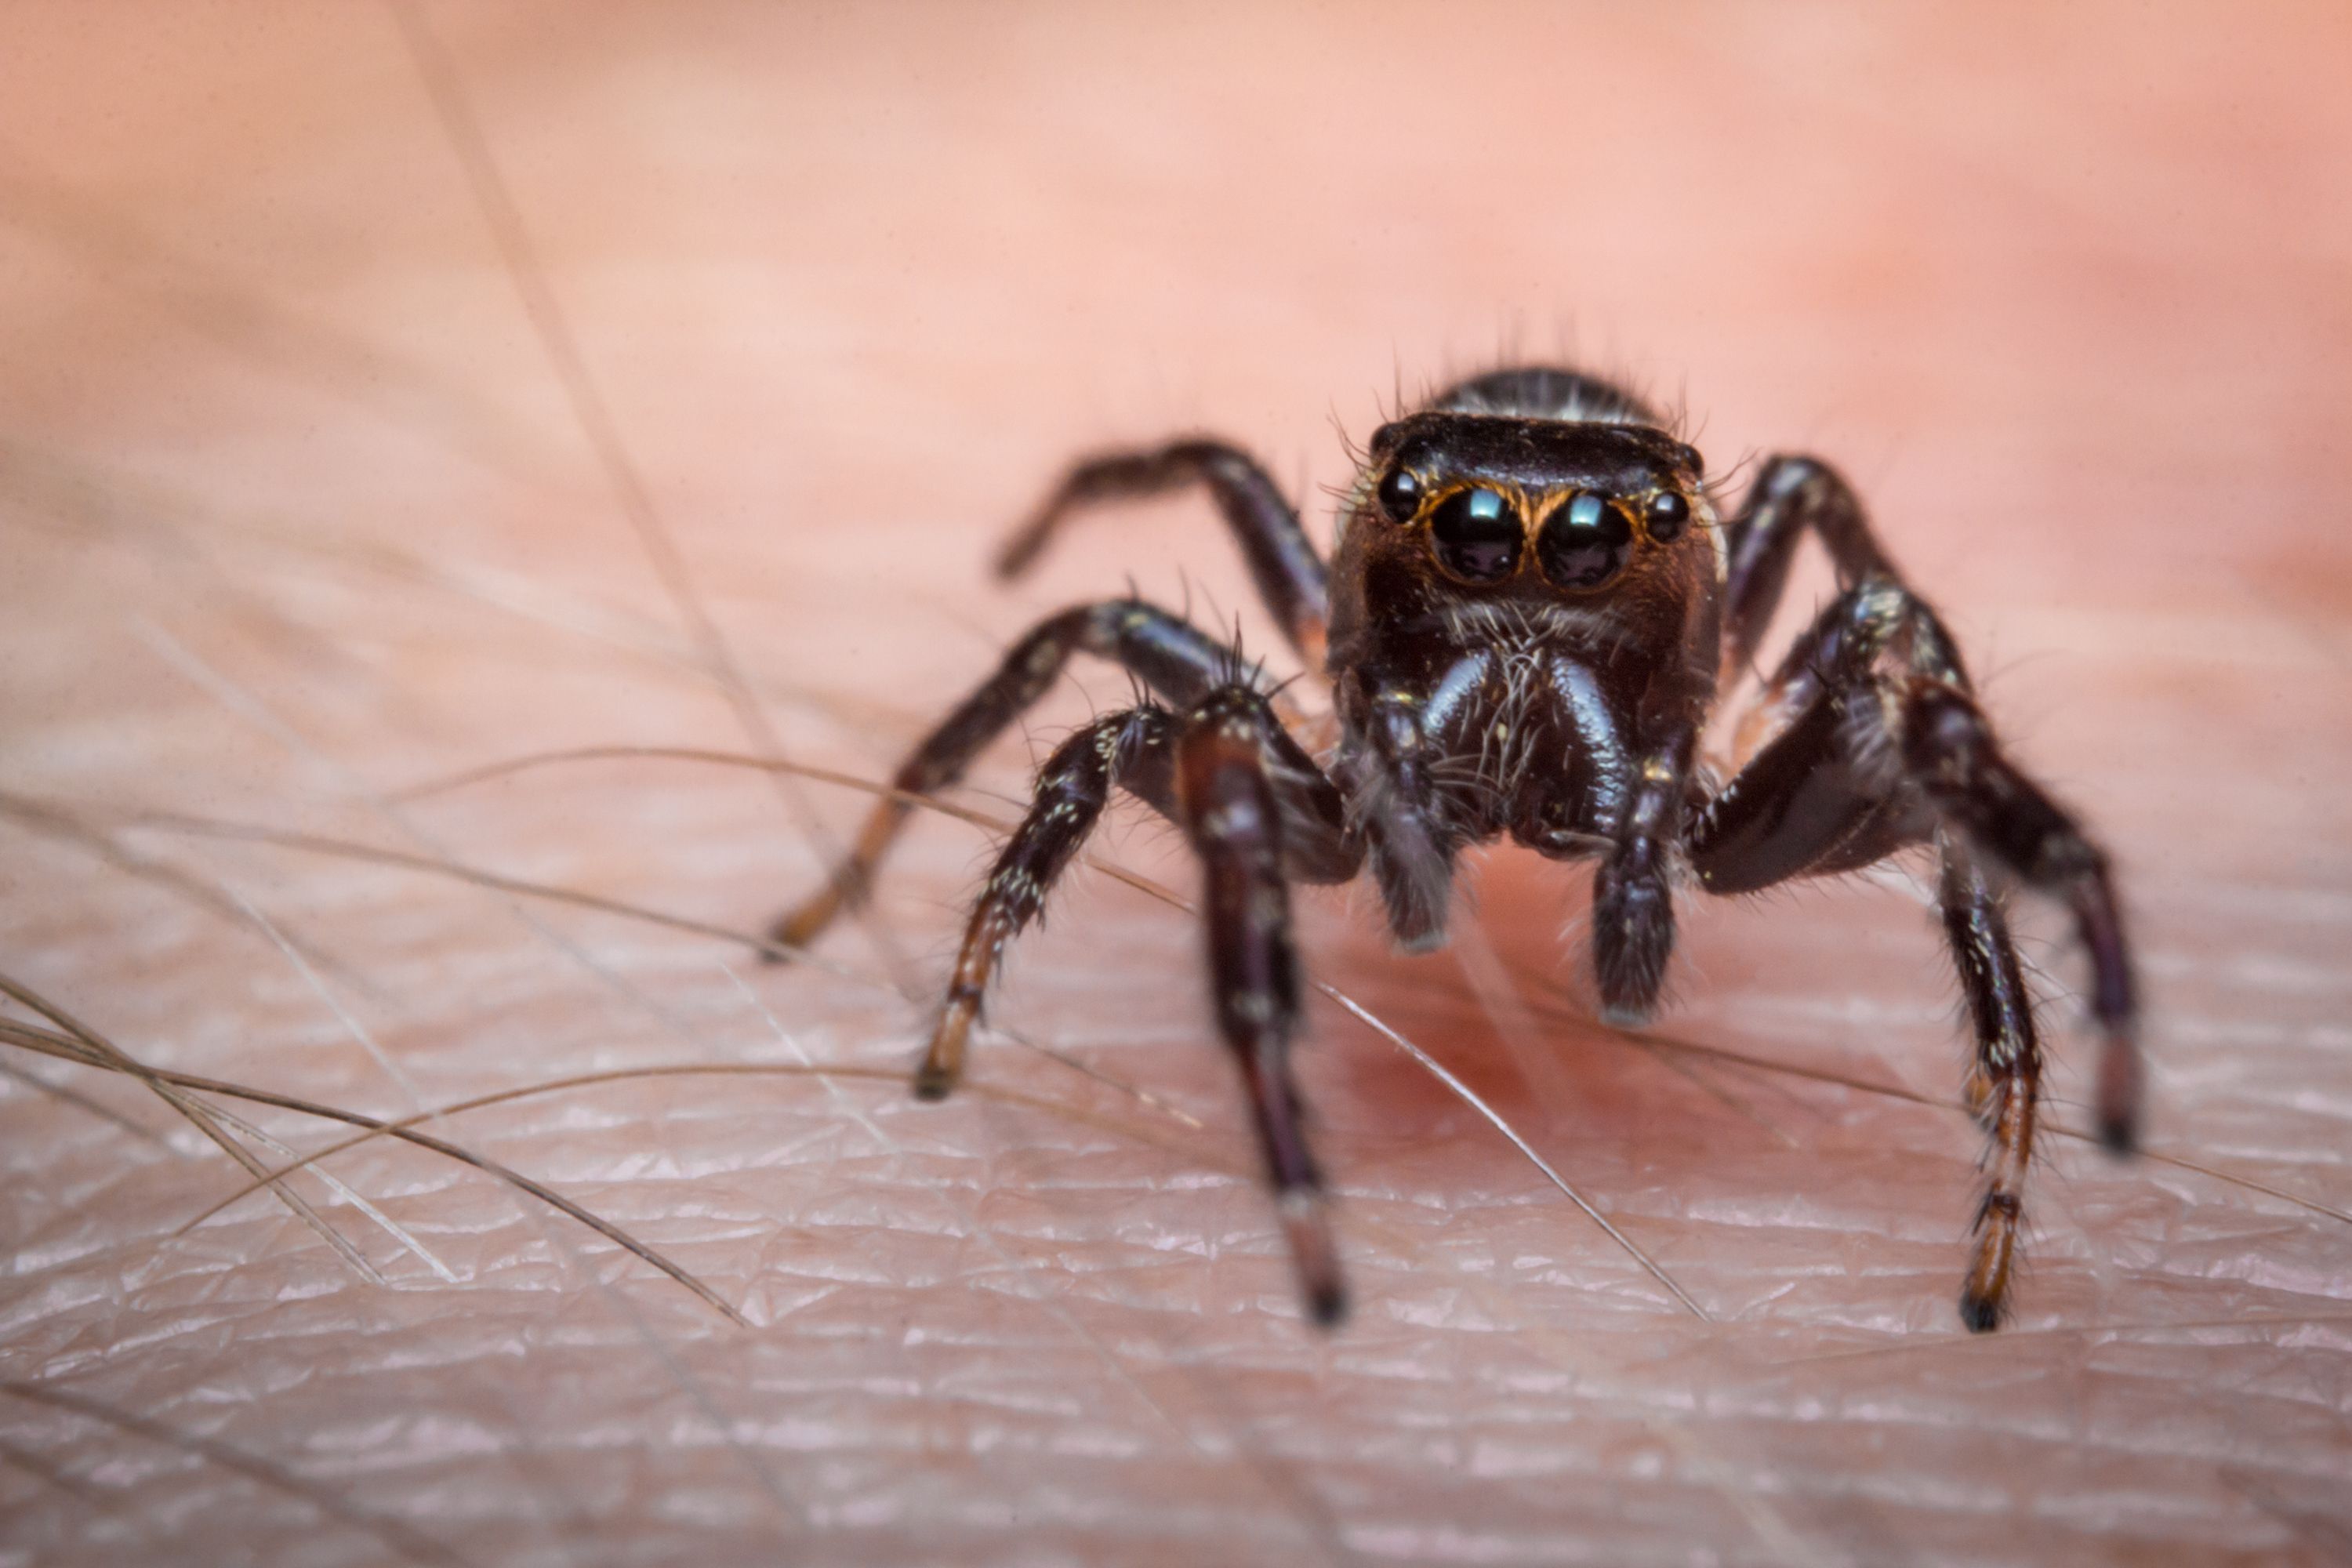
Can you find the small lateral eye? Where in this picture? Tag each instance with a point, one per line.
(1584, 542)
(1477, 536)
(1400, 495)
(1667, 516)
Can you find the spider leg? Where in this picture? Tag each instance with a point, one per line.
(1290, 575)
(1130, 748)
(1228, 806)
(2005, 1080)
(1883, 747)
(1791, 496)
(1176, 660)
(1884, 742)
(1217, 772)
(1951, 748)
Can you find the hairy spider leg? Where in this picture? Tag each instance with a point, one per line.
(1215, 771)
(1227, 804)
(1289, 574)
(1792, 496)
(1827, 792)
(1174, 658)
(2005, 1080)
(1883, 747)
(1951, 751)
(1956, 759)
(1131, 749)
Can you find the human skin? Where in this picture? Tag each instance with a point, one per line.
(299, 510)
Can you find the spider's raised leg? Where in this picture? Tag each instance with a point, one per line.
(1216, 771)
(1290, 575)
(1791, 496)
(1176, 660)
(1883, 747)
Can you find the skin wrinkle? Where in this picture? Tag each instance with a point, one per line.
(847, 342)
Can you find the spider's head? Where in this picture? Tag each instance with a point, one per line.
(1544, 507)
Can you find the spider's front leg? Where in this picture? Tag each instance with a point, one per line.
(1948, 746)
(1883, 746)
(1228, 775)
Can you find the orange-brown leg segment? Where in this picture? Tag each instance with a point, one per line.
(2004, 1080)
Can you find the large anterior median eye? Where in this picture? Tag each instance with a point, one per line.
(1477, 536)
(1584, 542)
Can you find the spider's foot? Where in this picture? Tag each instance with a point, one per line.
(1984, 1298)
(1982, 1314)
(942, 1065)
(1627, 1015)
(2120, 1076)
(1307, 1225)
(805, 922)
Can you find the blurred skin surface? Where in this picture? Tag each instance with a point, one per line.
(295, 511)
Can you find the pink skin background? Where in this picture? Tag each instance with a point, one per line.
(295, 511)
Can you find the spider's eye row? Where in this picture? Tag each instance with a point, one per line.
(1667, 516)
(1400, 495)
(1475, 535)
(1584, 542)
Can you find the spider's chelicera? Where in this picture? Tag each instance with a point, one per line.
(1531, 610)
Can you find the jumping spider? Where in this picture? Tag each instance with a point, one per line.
(1532, 609)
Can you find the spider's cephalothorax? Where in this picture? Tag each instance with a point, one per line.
(1524, 625)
